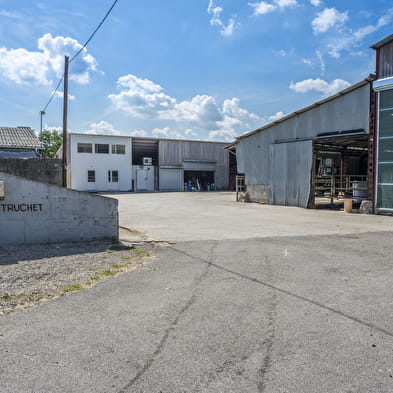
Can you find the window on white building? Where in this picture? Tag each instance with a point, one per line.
(118, 149)
(91, 176)
(85, 148)
(102, 148)
(113, 176)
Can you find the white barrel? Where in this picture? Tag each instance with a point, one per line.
(359, 189)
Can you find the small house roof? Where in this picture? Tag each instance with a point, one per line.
(19, 138)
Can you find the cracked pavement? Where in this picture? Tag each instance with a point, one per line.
(304, 314)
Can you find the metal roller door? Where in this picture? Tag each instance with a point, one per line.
(171, 179)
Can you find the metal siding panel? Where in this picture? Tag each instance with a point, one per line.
(291, 172)
(279, 171)
(350, 111)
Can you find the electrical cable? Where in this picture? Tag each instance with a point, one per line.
(79, 51)
(53, 94)
(94, 32)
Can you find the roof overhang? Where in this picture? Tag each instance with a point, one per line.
(383, 42)
(356, 86)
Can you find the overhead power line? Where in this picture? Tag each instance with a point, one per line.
(79, 52)
(94, 32)
(54, 93)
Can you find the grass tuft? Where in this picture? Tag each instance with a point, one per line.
(72, 288)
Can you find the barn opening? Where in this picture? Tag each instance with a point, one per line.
(200, 180)
(339, 171)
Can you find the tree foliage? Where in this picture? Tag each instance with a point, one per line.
(52, 140)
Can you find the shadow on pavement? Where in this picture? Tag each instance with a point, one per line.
(14, 254)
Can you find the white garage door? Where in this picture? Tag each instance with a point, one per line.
(171, 179)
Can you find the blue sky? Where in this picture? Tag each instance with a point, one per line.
(195, 69)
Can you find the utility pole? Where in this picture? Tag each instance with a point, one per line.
(65, 113)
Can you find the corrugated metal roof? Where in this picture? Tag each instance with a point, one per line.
(383, 42)
(307, 108)
(19, 138)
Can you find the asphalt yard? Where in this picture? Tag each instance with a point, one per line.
(238, 298)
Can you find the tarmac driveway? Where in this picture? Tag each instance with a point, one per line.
(280, 313)
(184, 216)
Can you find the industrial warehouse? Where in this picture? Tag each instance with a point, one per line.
(123, 163)
(340, 148)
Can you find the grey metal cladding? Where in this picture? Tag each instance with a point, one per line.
(255, 156)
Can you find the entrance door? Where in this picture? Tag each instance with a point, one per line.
(290, 173)
(141, 179)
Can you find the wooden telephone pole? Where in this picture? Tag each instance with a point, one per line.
(65, 113)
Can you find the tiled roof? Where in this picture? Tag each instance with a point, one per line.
(19, 137)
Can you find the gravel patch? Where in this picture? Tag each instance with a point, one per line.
(31, 274)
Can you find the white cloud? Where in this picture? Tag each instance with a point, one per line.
(216, 20)
(321, 61)
(315, 3)
(350, 39)
(161, 132)
(327, 19)
(37, 67)
(307, 61)
(285, 3)
(201, 110)
(232, 108)
(58, 129)
(275, 117)
(60, 94)
(167, 132)
(264, 7)
(141, 133)
(228, 129)
(189, 132)
(55, 48)
(102, 128)
(142, 98)
(24, 67)
(319, 85)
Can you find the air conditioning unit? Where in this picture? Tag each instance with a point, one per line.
(147, 161)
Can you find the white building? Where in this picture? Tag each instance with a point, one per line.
(99, 163)
(123, 163)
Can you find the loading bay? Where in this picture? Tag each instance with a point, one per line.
(241, 298)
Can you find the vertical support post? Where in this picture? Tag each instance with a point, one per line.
(311, 199)
(342, 168)
(65, 113)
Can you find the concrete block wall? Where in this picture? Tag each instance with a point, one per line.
(34, 212)
(46, 170)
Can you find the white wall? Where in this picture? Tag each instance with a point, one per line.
(101, 163)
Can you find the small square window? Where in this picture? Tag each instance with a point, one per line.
(113, 176)
(85, 148)
(118, 149)
(102, 148)
(91, 176)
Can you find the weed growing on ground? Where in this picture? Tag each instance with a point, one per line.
(28, 296)
(72, 288)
